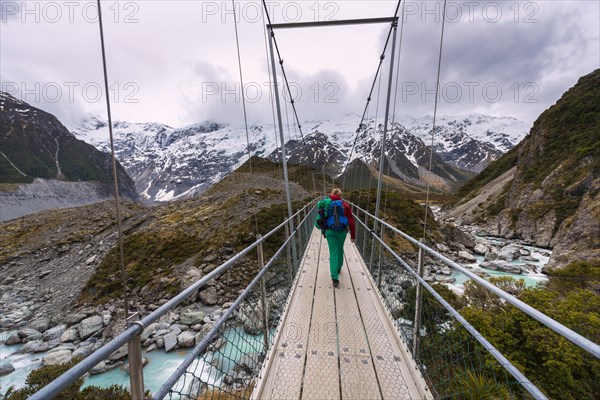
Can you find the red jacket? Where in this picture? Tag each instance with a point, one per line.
(348, 214)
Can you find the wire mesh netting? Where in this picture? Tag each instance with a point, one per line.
(230, 365)
(453, 363)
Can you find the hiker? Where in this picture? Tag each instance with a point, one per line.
(335, 219)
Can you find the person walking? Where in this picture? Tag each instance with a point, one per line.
(335, 219)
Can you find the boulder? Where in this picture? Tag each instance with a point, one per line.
(170, 341)
(40, 324)
(186, 339)
(72, 319)
(57, 357)
(83, 351)
(144, 363)
(442, 247)
(481, 249)
(465, 255)
(35, 346)
(103, 366)
(491, 256)
(121, 352)
(510, 253)
(204, 331)
(70, 335)
(175, 330)
(148, 331)
(29, 335)
(90, 325)
(191, 317)
(501, 266)
(6, 367)
(209, 296)
(54, 333)
(12, 340)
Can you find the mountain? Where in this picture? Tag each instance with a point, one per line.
(43, 165)
(171, 163)
(547, 189)
(468, 141)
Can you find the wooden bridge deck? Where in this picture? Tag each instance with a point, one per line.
(337, 343)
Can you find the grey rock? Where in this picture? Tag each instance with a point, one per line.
(91, 260)
(90, 325)
(57, 357)
(144, 363)
(83, 351)
(121, 352)
(160, 343)
(209, 296)
(204, 331)
(40, 324)
(6, 367)
(29, 335)
(501, 266)
(191, 317)
(481, 249)
(72, 319)
(170, 341)
(12, 340)
(54, 333)
(465, 255)
(148, 331)
(510, 253)
(186, 339)
(442, 247)
(175, 330)
(70, 335)
(103, 366)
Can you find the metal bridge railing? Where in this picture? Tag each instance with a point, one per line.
(449, 351)
(228, 358)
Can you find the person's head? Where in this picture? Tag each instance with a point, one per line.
(336, 192)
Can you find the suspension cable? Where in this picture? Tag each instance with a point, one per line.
(287, 84)
(435, 107)
(381, 58)
(237, 42)
(279, 171)
(399, 58)
(114, 168)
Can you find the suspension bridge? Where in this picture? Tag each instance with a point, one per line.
(313, 341)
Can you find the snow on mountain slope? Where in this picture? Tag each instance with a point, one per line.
(469, 141)
(168, 163)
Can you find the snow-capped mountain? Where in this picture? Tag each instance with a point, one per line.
(468, 141)
(168, 163)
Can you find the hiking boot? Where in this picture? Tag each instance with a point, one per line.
(336, 283)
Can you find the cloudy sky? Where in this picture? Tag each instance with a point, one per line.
(176, 62)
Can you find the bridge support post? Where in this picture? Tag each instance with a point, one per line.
(418, 304)
(282, 141)
(364, 246)
(384, 138)
(263, 297)
(380, 261)
(136, 366)
(289, 261)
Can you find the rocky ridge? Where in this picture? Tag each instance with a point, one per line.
(546, 190)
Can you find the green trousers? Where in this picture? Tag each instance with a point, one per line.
(335, 240)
